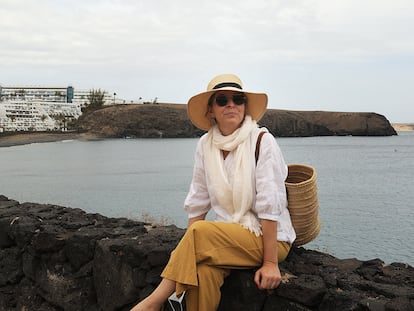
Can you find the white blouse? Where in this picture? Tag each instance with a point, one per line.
(271, 173)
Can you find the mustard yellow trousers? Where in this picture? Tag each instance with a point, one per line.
(204, 257)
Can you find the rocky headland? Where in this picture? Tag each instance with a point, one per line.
(55, 258)
(171, 120)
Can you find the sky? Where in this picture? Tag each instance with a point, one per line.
(331, 55)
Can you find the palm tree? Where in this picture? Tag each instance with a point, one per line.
(96, 99)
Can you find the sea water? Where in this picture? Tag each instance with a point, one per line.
(365, 185)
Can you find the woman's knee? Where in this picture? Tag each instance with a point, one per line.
(201, 226)
(203, 233)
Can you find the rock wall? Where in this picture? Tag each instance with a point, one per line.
(56, 258)
(168, 120)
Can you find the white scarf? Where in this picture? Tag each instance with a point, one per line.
(237, 198)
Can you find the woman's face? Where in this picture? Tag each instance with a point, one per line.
(228, 109)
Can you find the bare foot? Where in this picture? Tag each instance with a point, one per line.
(146, 305)
(155, 301)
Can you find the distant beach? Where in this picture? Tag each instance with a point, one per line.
(8, 140)
(403, 126)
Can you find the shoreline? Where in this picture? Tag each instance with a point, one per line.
(18, 139)
(26, 138)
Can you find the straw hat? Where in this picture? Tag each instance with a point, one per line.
(197, 106)
(303, 202)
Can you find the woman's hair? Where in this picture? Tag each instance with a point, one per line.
(210, 104)
(211, 99)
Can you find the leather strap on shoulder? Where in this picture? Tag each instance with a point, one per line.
(259, 139)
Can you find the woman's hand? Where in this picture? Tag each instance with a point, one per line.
(268, 276)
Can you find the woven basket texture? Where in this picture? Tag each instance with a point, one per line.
(303, 204)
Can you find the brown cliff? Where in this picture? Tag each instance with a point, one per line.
(170, 120)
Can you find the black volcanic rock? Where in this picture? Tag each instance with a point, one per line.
(57, 258)
(171, 120)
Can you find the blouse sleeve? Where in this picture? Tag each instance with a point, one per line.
(197, 201)
(271, 173)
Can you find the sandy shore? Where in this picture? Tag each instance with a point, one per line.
(403, 126)
(8, 140)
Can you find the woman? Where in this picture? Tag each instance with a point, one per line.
(252, 226)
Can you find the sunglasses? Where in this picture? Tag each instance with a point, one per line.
(238, 99)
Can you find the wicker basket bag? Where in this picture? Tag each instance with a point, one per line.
(302, 196)
(303, 204)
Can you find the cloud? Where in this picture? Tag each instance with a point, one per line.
(114, 32)
(300, 44)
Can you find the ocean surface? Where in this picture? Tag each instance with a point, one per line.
(366, 185)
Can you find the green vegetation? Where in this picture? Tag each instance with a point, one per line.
(96, 100)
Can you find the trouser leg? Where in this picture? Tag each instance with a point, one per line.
(207, 296)
(213, 244)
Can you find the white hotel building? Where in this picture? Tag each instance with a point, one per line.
(24, 108)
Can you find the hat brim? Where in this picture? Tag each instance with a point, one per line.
(197, 106)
